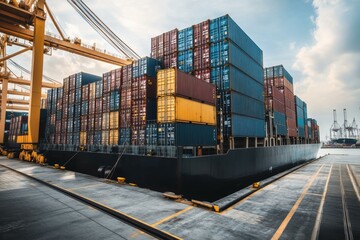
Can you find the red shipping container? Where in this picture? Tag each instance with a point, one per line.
(98, 122)
(72, 97)
(138, 135)
(85, 92)
(126, 76)
(125, 118)
(91, 105)
(117, 78)
(170, 60)
(106, 102)
(157, 46)
(58, 127)
(66, 84)
(291, 126)
(203, 74)
(201, 33)
(72, 82)
(106, 82)
(125, 97)
(170, 42)
(202, 57)
(143, 87)
(91, 123)
(98, 105)
(83, 123)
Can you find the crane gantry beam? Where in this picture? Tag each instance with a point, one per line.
(26, 82)
(17, 101)
(50, 41)
(19, 93)
(17, 108)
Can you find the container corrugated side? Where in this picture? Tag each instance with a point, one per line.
(231, 78)
(243, 126)
(225, 28)
(280, 123)
(184, 134)
(178, 109)
(244, 105)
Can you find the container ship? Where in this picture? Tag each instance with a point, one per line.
(200, 117)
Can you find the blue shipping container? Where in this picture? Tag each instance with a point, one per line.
(185, 61)
(184, 134)
(243, 126)
(223, 53)
(240, 82)
(125, 136)
(185, 39)
(151, 134)
(224, 28)
(114, 100)
(280, 123)
(85, 78)
(246, 106)
(145, 66)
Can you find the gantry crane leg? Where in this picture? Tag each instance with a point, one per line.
(4, 89)
(30, 141)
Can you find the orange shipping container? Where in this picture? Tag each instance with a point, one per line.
(114, 120)
(114, 137)
(177, 109)
(83, 138)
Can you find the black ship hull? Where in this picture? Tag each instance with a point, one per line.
(203, 178)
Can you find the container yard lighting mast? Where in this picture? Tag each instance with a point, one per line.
(26, 20)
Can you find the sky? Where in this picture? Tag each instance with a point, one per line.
(317, 41)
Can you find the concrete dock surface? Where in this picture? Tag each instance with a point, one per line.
(320, 200)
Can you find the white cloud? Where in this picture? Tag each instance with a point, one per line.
(330, 66)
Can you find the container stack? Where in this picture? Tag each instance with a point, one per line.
(186, 111)
(18, 126)
(278, 77)
(219, 51)
(313, 130)
(125, 105)
(51, 112)
(59, 138)
(143, 96)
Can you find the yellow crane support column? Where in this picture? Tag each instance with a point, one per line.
(30, 141)
(4, 89)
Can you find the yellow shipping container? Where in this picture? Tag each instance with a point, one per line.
(166, 82)
(83, 138)
(114, 120)
(177, 109)
(92, 90)
(114, 137)
(105, 121)
(105, 137)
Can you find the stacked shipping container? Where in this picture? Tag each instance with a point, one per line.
(301, 117)
(186, 111)
(279, 95)
(18, 126)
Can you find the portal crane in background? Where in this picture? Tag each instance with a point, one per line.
(26, 20)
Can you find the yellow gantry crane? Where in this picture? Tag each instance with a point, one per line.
(26, 20)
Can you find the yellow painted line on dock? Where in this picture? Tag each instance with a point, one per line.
(87, 186)
(354, 182)
(165, 220)
(287, 219)
(316, 228)
(172, 216)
